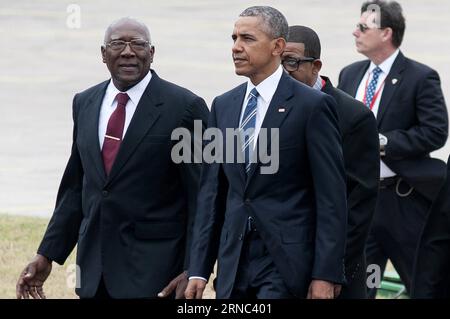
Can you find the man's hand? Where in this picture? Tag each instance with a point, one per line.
(320, 289)
(337, 290)
(178, 284)
(32, 278)
(195, 289)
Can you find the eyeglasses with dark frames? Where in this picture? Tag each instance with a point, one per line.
(292, 64)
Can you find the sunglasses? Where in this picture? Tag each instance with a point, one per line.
(362, 27)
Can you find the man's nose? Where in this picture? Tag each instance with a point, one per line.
(236, 46)
(127, 51)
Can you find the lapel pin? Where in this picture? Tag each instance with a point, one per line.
(281, 110)
(394, 81)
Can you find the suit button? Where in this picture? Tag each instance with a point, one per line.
(241, 237)
(247, 201)
(105, 193)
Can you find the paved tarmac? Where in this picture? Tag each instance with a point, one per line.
(44, 63)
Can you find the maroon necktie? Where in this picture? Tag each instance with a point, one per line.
(114, 132)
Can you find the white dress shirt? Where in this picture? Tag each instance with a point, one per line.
(385, 67)
(109, 104)
(266, 90)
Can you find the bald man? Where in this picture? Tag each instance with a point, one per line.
(122, 199)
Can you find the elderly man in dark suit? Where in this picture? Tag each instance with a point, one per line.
(407, 100)
(359, 133)
(277, 234)
(122, 199)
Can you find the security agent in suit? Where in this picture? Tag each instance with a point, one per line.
(122, 199)
(359, 133)
(282, 234)
(407, 100)
(431, 273)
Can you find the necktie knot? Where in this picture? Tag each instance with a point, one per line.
(254, 93)
(376, 72)
(122, 99)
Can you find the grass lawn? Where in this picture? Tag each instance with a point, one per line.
(19, 240)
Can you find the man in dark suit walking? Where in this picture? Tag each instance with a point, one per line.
(359, 133)
(278, 234)
(407, 100)
(122, 199)
(431, 272)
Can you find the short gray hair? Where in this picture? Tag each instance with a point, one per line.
(125, 20)
(275, 23)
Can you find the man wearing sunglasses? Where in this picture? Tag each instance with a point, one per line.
(406, 98)
(301, 59)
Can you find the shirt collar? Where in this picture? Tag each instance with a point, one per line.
(319, 83)
(386, 65)
(135, 93)
(266, 88)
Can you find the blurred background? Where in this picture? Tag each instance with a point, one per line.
(47, 57)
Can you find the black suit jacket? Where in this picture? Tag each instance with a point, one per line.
(413, 116)
(300, 211)
(362, 167)
(431, 272)
(133, 226)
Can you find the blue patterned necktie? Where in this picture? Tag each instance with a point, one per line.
(370, 92)
(248, 128)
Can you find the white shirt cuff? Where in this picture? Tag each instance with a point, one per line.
(196, 277)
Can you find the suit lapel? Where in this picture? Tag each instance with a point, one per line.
(356, 81)
(144, 117)
(91, 119)
(390, 85)
(233, 122)
(274, 118)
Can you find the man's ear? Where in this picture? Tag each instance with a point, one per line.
(317, 66)
(103, 50)
(280, 45)
(387, 34)
(152, 53)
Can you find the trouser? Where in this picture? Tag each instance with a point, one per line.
(396, 227)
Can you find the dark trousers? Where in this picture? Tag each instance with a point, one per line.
(102, 292)
(356, 287)
(395, 231)
(257, 276)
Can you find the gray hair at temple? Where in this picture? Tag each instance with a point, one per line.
(127, 20)
(275, 24)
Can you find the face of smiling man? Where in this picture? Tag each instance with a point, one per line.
(128, 65)
(256, 54)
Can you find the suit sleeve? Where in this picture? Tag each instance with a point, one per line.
(327, 170)
(430, 132)
(210, 215)
(62, 232)
(190, 172)
(362, 161)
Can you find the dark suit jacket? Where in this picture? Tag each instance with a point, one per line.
(431, 274)
(413, 116)
(300, 211)
(360, 146)
(134, 225)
